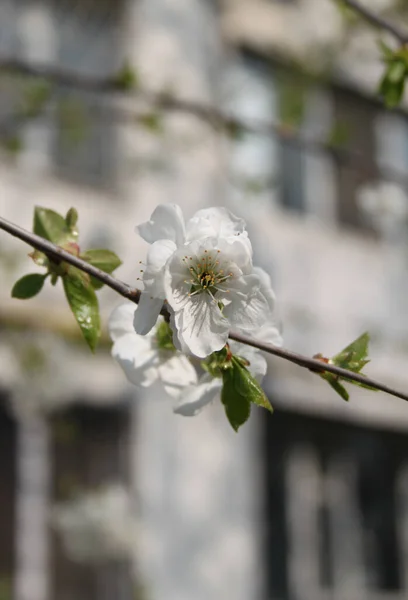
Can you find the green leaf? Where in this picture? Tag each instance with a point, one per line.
(333, 381)
(28, 286)
(52, 226)
(396, 71)
(237, 405)
(393, 82)
(84, 304)
(164, 337)
(151, 121)
(248, 385)
(126, 79)
(354, 356)
(106, 260)
(71, 219)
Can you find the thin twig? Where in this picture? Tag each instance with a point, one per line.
(57, 254)
(219, 120)
(377, 20)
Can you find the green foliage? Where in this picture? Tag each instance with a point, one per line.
(79, 287)
(392, 84)
(164, 336)
(237, 405)
(239, 390)
(71, 219)
(126, 79)
(84, 304)
(152, 121)
(52, 226)
(12, 144)
(353, 358)
(106, 260)
(28, 286)
(35, 97)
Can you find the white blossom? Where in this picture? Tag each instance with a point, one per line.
(144, 360)
(204, 271)
(210, 288)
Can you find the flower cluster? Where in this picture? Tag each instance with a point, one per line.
(202, 270)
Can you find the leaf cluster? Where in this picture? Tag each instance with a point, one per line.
(392, 84)
(354, 358)
(79, 287)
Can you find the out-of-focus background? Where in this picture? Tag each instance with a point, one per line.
(106, 494)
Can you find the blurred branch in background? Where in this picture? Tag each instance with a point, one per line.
(126, 83)
(318, 365)
(377, 20)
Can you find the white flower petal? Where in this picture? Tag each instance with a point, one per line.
(249, 308)
(214, 222)
(201, 326)
(136, 357)
(153, 276)
(166, 223)
(121, 320)
(146, 313)
(177, 371)
(196, 397)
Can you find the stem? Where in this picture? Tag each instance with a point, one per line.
(377, 21)
(57, 254)
(219, 120)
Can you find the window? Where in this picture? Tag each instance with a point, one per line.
(336, 510)
(87, 43)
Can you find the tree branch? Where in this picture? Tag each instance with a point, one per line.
(219, 120)
(377, 20)
(57, 254)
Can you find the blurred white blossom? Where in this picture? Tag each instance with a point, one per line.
(151, 358)
(384, 204)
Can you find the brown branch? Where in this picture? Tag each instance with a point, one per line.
(219, 120)
(378, 21)
(57, 254)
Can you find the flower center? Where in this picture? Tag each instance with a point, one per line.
(207, 273)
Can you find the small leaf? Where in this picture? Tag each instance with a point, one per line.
(393, 82)
(237, 406)
(106, 260)
(28, 286)
(151, 121)
(354, 356)
(71, 219)
(248, 385)
(126, 79)
(84, 304)
(51, 226)
(336, 385)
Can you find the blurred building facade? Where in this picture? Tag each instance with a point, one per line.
(310, 503)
